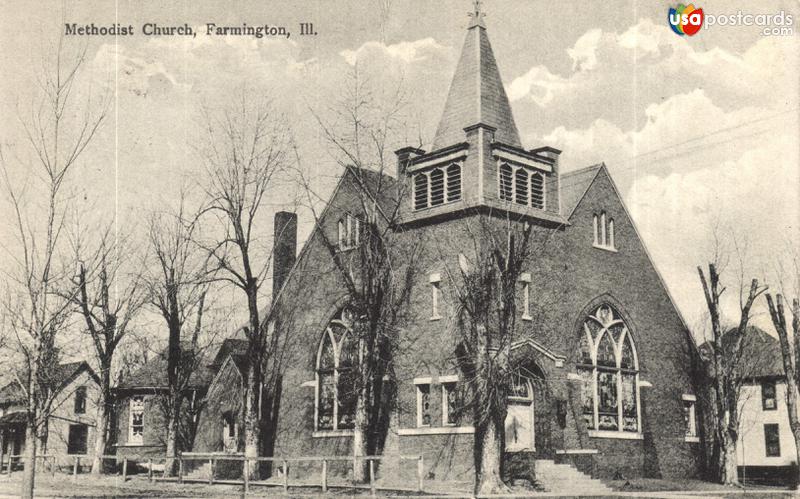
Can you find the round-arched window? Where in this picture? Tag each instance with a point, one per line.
(609, 372)
(337, 358)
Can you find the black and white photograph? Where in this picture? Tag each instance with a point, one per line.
(400, 248)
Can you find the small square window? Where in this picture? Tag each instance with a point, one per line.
(769, 400)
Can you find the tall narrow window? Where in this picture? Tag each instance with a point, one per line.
(420, 191)
(769, 401)
(525, 278)
(521, 186)
(453, 182)
(136, 422)
(609, 374)
(423, 405)
(537, 190)
(337, 358)
(603, 231)
(77, 439)
(690, 417)
(772, 440)
(80, 400)
(435, 280)
(506, 182)
(449, 404)
(349, 232)
(437, 187)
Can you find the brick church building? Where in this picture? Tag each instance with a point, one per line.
(606, 385)
(610, 350)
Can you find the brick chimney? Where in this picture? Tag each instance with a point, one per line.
(285, 250)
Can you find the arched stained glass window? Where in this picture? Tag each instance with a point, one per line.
(337, 360)
(608, 373)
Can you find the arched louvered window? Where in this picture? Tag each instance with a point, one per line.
(537, 190)
(521, 186)
(453, 182)
(506, 182)
(521, 178)
(337, 359)
(609, 373)
(420, 191)
(437, 187)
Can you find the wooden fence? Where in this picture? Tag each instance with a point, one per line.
(213, 459)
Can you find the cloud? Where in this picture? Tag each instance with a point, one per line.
(405, 52)
(584, 52)
(539, 85)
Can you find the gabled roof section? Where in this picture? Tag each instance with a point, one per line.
(153, 374)
(476, 93)
(574, 185)
(761, 351)
(61, 376)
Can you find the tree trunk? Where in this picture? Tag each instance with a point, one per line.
(729, 474)
(489, 475)
(31, 440)
(251, 421)
(359, 438)
(100, 438)
(172, 435)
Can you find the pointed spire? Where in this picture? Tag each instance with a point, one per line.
(477, 15)
(477, 94)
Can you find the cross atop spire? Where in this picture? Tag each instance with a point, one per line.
(477, 15)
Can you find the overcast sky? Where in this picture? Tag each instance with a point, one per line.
(695, 130)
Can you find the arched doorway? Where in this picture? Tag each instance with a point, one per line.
(520, 435)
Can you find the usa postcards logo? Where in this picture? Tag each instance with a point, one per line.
(685, 19)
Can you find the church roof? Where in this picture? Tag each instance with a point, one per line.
(476, 93)
(574, 185)
(153, 374)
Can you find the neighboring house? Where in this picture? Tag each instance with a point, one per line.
(71, 427)
(766, 449)
(140, 408)
(605, 367)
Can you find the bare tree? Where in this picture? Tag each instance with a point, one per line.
(790, 349)
(176, 288)
(728, 367)
(107, 315)
(245, 154)
(373, 259)
(487, 296)
(58, 132)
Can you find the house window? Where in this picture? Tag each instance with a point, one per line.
(337, 359)
(449, 404)
(80, 400)
(435, 280)
(349, 232)
(521, 186)
(136, 423)
(772, 440)
(437, 187)
(769, 401)
(690, 417)
(423, 404)
(603, 229)
(609, 373)
(76, 439)
(526, 295)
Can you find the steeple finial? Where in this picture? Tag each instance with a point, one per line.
(477, 15)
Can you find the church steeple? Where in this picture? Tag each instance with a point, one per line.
(476, 95)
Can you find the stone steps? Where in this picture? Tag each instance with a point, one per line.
(565, 479)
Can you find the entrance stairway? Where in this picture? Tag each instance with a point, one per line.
(565, 479)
